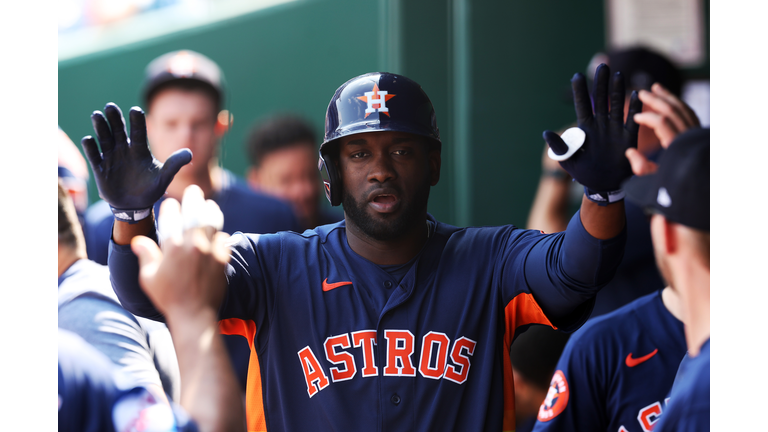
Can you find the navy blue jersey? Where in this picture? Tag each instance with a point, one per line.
(243, 209)
(688, 407)
(95, 397)
(340, 344)
(616, 371)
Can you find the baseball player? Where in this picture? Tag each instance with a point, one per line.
(94, 396)
(677, 196)
(283, 153)
(390, 319)
(616, 371)
(184, 93)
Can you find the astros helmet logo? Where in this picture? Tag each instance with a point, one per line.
(376, 100)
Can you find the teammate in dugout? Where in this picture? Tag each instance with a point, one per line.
(636, 350)
(390, 319)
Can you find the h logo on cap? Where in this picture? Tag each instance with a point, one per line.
(376, 100)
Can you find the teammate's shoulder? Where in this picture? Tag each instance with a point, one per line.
(85, 277)
(248, 210)
(98, 212)
(614, 324)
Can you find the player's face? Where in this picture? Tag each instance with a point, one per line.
(180, 119)
(386, 178)
(291, 174)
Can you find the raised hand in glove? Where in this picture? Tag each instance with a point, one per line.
(600, 164)
(129, 178)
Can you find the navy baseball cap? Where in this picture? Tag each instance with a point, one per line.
(186, 65)
(679, 190)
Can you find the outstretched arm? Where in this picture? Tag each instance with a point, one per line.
(599, 164)
(585, 258)
(130, 180)
(186, 283)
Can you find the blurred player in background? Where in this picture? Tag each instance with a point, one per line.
(283, 154)
(184, 94)
(73, 173)
(534, 355)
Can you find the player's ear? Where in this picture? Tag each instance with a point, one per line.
(664, 234)
(672, 234)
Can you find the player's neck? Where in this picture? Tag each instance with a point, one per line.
(390, 252)
(693, 286)
(209, 181)
(67, 257)
(671, 300)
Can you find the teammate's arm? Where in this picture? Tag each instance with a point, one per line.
(185, 281)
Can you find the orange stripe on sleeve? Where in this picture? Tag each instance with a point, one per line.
(520, 311)
(254, 403)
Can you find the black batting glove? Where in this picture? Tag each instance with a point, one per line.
(129, 178)
(600, 164)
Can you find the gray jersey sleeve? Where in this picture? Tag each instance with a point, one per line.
(113, 331)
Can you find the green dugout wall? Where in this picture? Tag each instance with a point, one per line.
(497, 72)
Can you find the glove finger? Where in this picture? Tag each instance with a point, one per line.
(600, 91)
(635, 106)
(117, 124)
(555, 142)
(617, 98)
(101, 128)
(91, 150)
(171, 166)
(139, 132)
(581, 102)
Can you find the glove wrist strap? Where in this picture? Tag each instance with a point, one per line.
(131, 216)
(604, 198)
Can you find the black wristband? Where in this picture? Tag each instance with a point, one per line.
(604, 198)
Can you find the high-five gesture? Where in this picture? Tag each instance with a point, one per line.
(600, 164)
(129, 178)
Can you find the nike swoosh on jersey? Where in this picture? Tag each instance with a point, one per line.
(329, 286)
(632, 362)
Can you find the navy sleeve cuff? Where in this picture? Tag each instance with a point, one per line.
(124, 274)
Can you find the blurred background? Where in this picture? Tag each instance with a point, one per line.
(497, 71)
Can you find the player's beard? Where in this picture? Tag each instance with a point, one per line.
(387, 228)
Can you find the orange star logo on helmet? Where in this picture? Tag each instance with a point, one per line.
(376, 100)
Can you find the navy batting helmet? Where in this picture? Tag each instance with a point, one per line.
(183, 65)
(374, 102)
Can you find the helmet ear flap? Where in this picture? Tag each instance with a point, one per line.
(331, 181)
